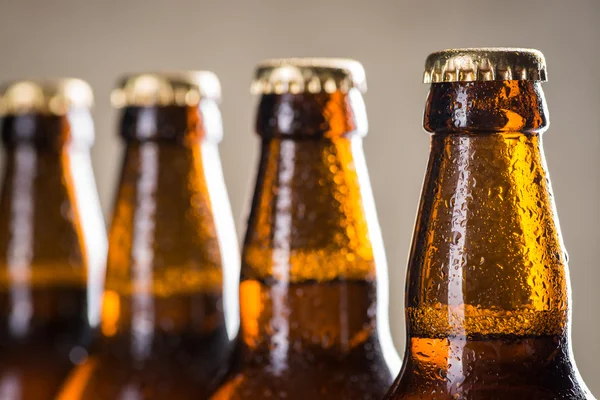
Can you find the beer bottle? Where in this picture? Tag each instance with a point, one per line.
(52, 237)
(313, 253)
(488, 297)
(164, 322)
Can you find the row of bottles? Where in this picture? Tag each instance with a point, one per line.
(168, 308)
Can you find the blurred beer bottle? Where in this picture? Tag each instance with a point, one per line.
(52, 236)
(164, 315)
(308, 291)
(487, 303)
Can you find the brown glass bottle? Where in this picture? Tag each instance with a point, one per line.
(313, 254)
(164, 328)
(487, 302)
(52, 236)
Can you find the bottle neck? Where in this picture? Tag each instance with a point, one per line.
(171, 235)
(308, 220)
(49, 247)
(486, 107)
(174, 124)
(49, 132)
(313, 247)
(312, 115)
(487, 258)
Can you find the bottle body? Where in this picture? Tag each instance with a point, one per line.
(487, 301)
(311, 260)
(52, 245)
(164, 330)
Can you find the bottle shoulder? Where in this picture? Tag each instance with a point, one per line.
(182, 366)
(304, 372)
(489, 367)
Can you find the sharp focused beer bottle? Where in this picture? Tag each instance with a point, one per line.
(487, 302)
(313, 252)
(164, 314)
(52, 237)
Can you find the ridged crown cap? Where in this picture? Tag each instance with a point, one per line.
(485, 64)
(184, 88)
(50, 96)
(310, 75)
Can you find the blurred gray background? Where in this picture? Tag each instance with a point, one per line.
(99, 40)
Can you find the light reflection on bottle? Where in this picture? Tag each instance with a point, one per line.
(143, 253)
(20, 247)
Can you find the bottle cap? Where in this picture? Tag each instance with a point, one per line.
(184, 88)
(485, 64)
(56, 96)
(308, 75)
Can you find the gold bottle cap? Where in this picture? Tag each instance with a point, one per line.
(312, 75)
(485, 64)
(56, 96)
(184, 88)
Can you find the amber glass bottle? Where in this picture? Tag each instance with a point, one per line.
(52, 236)
(487, 302)
(313, 253)
(171, 241)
